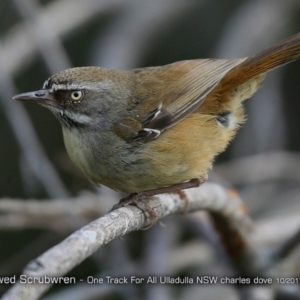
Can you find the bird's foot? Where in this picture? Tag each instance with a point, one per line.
(136, 198)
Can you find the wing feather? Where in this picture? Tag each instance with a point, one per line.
(163, 96)
(193, 87)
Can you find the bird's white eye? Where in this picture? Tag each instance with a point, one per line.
(76, 95)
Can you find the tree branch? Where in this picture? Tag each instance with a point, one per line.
(63, 257)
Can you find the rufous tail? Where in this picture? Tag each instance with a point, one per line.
(280, 54)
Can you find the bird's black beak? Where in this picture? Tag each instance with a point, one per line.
(43, 97)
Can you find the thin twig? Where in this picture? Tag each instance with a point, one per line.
(279, 165)
(50, 214)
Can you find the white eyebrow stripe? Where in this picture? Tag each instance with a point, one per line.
(56, 87)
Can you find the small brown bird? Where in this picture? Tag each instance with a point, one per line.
(154, 130)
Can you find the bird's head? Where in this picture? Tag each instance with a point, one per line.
(86, 97)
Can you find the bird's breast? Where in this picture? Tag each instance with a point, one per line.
(182, 153)
(104, 158)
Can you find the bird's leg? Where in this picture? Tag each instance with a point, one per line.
(136, 198)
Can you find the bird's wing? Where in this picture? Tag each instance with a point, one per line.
(190, 91)
(165, 95)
